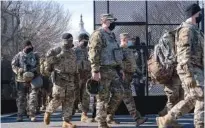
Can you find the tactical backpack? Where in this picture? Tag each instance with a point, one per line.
(162, 61)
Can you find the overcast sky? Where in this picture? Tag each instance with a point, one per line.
(77, 8)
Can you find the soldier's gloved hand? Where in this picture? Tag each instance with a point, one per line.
(96, 76)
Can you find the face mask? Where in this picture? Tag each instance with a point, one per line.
(129, 43)
(85, 43)
(28, 50)
(199, 18)
(112, 26)
(68, 46)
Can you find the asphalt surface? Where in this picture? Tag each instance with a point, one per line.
(126, 121)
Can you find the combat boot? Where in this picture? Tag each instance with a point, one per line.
(68, 125)
(19, 118)
(174, 124)
(199, 126)
(84, 117)
(164, 121)
(110, 120)
(140, 121)
(103, 125)
(92, 120)
(47, 118)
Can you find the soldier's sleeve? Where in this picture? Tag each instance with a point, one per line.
(52, 53)
(202, 46)
(183, 52)
(77, 74)
(95, 46)
(38, 63)
(15, 64)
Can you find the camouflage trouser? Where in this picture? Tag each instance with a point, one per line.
(194, 98)
(81, 95)
(63, 94)
(108, 76)
(127, 99)
(174, 93)
(27, 98)
(45, 92)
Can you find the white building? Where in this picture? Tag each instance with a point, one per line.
(79, 31)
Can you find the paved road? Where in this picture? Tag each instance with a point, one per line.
(9, 121)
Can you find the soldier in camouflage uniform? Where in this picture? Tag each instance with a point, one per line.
(174, 93)
(106, 59)
(129, 64)
(190, 68)
(26, 61)
(84, 68)
(46, 90)
(63, 66)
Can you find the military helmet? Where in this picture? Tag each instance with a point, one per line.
(83, 36)
(67, 36)
(93, 87)
(28, 76)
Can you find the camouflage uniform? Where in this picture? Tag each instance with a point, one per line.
(130, 66)
(28, 62)
(64, 76)
(84, 71)
(190, 69)
(174, 93)
(102, 45)
(46, 90)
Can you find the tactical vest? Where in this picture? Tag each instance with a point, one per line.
(82, 59)
(66, 62)
(111, 53)
(27, 62)
(129, 63)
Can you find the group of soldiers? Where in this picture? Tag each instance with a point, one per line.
(101, 58)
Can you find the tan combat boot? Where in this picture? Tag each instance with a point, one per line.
(199, 126)
(141, 120)
(110, 119)
(47, 118)
(174, 124)
(92, 120)
(84, 117)
(103, 125)
(164, 121)
(68, 125)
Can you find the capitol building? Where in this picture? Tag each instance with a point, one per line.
(79, 31)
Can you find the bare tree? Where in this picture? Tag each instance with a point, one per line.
(10, 22)
(43, 23)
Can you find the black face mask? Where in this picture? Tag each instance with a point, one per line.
(112, 26)
(199, 18)
(68, 46)
(85, 43)
(28, 50)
